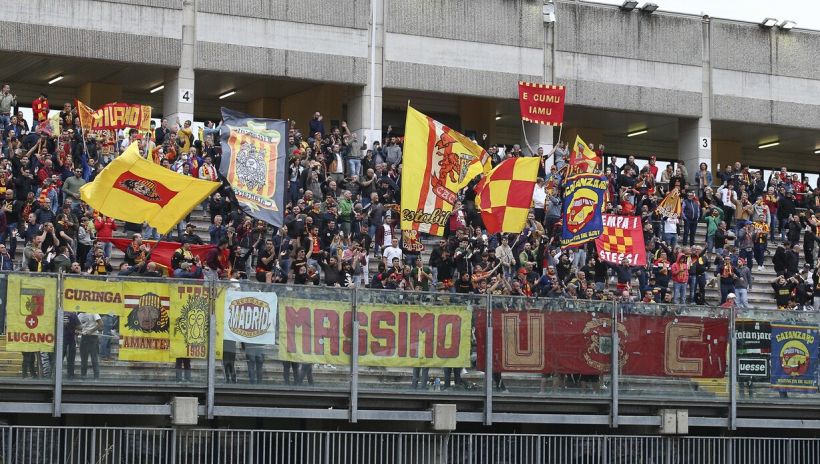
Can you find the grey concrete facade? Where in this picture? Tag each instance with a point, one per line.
(696, 69)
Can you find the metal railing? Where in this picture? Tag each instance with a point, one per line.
(81, 445)
(612, 387)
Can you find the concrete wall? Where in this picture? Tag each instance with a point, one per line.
(765, 76)
(443, 46)
(627, 60)
(142, 31)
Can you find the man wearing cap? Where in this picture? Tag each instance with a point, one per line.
(190, 235)
(185, 264)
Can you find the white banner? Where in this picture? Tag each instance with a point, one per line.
(250, 317)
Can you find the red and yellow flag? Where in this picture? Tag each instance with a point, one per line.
(504, 196)
(671, 205)
(114, 116)
(438, 162)
(583, 160)
(133, 189)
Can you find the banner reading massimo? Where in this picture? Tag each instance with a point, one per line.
(581, 343)
(389, 335)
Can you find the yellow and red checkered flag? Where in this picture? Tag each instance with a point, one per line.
(622, 238)
(504, 196)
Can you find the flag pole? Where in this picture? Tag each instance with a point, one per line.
(560, 130)
(524, 130)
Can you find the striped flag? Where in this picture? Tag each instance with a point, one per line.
(438, 163)
(504, 196)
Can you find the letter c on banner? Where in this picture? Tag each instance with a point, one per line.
(523, 356)
(676, 335)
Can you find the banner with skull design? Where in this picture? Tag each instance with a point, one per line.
(253, 162)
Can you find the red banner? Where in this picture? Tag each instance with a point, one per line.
(541, 103)
(581, 343)
(162, 253)
(622, 238)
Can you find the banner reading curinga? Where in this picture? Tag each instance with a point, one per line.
(253, 161)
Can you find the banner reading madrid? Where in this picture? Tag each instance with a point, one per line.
(30, 313)
(133, 189)
(250, 317)
(253, 161)
(438, 162)
(389, 335)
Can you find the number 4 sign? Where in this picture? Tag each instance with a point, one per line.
(186, 95)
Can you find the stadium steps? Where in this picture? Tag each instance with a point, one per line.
(10, 361)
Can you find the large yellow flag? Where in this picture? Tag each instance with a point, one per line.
(134, 189)
(438, 162)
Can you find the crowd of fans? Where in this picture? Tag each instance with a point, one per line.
(342, 199)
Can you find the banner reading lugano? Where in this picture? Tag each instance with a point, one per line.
(250, 317)
(30, 313)
(581, 343)
(190, 319)
(389, 335)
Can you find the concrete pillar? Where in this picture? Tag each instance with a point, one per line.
(364, 108)
(96, 94)
(178, 97)
(539, 135)
(695, 136)
(265, 108)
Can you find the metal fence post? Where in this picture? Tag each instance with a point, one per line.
(354, 359)
(58, 350)
(173, 446)
(211, 350)
(327, 446)
(732, 371)
(614, 368)
(488, 363)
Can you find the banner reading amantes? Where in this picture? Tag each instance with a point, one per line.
(389, 335)
(31, 311)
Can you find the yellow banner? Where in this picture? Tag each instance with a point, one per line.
(93, 296)
(190, 316)
(30, 312)
(441, 162)
(389, 335)
(145, 322)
